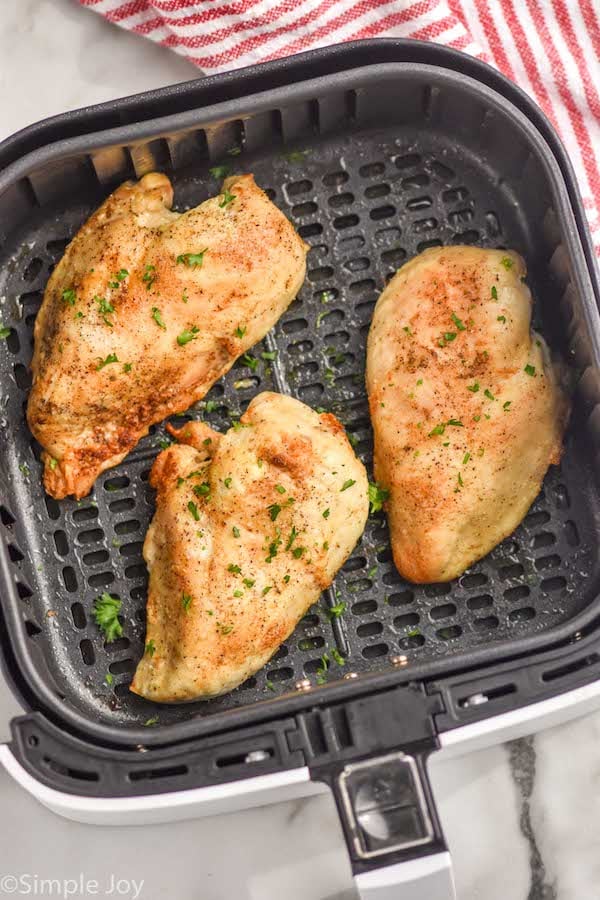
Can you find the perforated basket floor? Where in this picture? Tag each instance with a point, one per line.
(365, 202)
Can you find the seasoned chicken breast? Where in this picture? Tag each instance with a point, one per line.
(466, 408)
(250, 527)
(145, 311)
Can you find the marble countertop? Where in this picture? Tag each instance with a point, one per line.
(522, 820)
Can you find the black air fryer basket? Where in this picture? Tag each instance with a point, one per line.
(375, 151)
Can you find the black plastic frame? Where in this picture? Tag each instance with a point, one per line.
(141, 112)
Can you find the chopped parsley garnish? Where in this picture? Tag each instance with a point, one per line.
(226, 629)
(105, 307)
(419, 382)
(79, 315)
(234, 569)
(326, 513)
(219, 172)
(274, 546)
(291, 539)
(297, 552)
(149, 277)
(446, 338)
(320, 317)
(280, 489)
(4, 332)
(459, 483)
(274, 509)
(458, 322)
(150, 648)
(466, 458)
(337, 610)
(494, 292)
(108, 678)
(24, 468)
(227, 198)
(111, 358)
(506, 405)
(235, 531)
(127, 367)
(240, 331)
(266, 589)
(152, 721)
(52, 463)
(473, 387)
(227, 481)
(325, 545)
(164, 443)
(507, 262)
(377, 497)
(69, 296)
(156, 315)
(106, 613)
(250, 361)
(530, 370)
(269, 685)
(193, 260)
(322, 670)
(337, 657)
(407, 330)
(286, 579)
(188, 335)
(184, 296)
(210, 406)
(269, 355)
(202, 490)
(456, 423)
(501, 319)
(238, 593)
(193, 511)
(438, 429)
(249, 582)
(295, 156)
(487, 393)
(347, 484)
(372, 572)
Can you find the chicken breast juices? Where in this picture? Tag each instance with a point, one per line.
(145, 311)
(250, 527)
(466, 407)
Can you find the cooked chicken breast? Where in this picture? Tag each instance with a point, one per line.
(466, 408)
(250, 527)
(145, 311)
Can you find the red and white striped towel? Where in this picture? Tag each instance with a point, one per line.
(551, 48)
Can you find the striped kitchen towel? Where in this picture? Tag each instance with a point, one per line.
(551, 48)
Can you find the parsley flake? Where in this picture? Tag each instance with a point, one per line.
(494, 292)
(150, 648)
(188, 335)
(69, 296)
(458, 322)
(337, 610)
(466, 458)
(219, 172)
(530, 370)
(4, 332)
(232, 567)
(227, 198)
(506, 405)
(438, 429)
(507, 262)
(250, 361)
(193, 260)
(235, 531)
(149, 277)
(473, 387)
(111, 358)
(347, 484)
(326, 513)
(156, 315)
(274, 509)
(501, 319)
(193, 511)
(377, 497)
(240, 331)
(487, 393)
(106, 613)
(266, 589)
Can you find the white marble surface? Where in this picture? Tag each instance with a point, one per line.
(522, 820)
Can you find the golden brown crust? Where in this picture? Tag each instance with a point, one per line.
(239, 530)
(107, 360)
(463, 433)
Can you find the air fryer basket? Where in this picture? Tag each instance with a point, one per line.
(372, 167)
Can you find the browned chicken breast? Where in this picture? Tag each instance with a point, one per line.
(250, 527)
(466, 408)
(145, 311)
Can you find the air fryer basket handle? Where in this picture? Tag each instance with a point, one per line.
(428, 878)
(390, 825)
